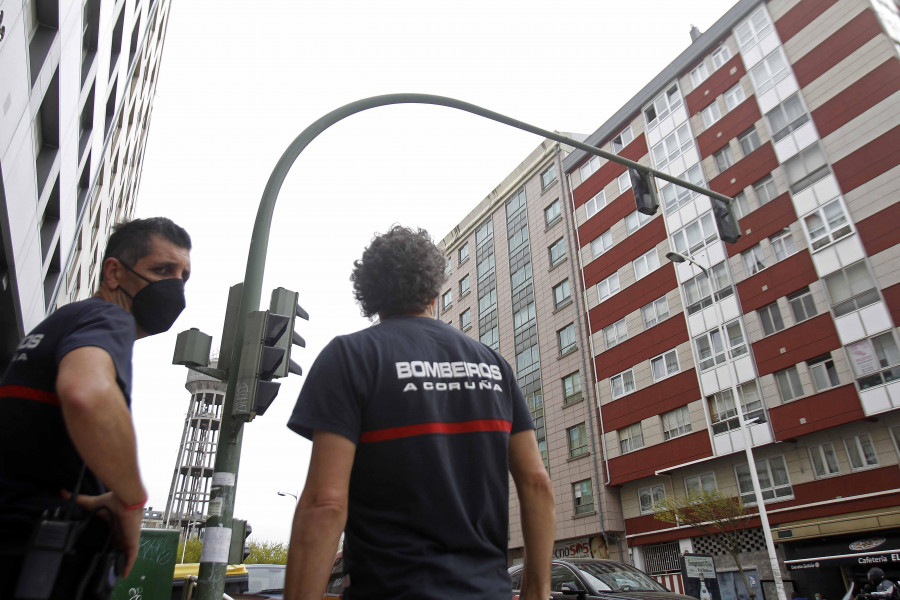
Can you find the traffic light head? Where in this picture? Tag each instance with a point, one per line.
(284, 302)
(645, 198)
(726, 221)
(260, 359)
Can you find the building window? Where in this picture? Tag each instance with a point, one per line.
(851, 288)
(770, 317)
(566, 338)
(622, 140)
(789, 386)
(861, 452)
(527, 361)
(773, 480)
(675, 196)
(593, 206)
(521, 277)
(464, 286)
(705, 482)
(571, 388)
(664, 104)
(624, 181)
(769, 71)
(765, 190)
(749, 141)
(827, 224)
(465, 319)
(464, 253)
(783, 244)
(603, 243)
(696, 235)
(724, 158)
(488, 302)
(802, 305)
(741, 206)
(515, 203)
(786, 117)
(699, 74)
(578, 445)
(615, 333)
(711, 114)
(552, 213)
(622, 384)
(806, 168)
(676, 422)
(664, 365)
(656, 311)
(485, 267)
(734, 96)
(524, 316)
(672, 146)
(631, 438)
(824, 374)
(710, 346)
(824, 460)
(589, 168)
(875, 360)
(562, 294)
(548, 176)
(491, 338)
(721, 56)
(753, 29)
(645, 264)
(753, 260)
(650, 496)
(724, 412)
(635, 221)
(583, 495)
(608, 287)
(518, 239)
(484, 233)
(557, 252)
(697, 290)
(447, 300)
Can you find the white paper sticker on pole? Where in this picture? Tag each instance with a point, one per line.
(216, 541)
(226, 479)
(215, 507)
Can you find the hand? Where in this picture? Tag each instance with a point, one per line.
(126, 523)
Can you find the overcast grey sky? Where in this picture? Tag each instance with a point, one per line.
(240, 80)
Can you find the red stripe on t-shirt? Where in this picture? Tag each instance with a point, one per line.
(21, 391)
(393, 433)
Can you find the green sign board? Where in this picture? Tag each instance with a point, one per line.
(151, 577)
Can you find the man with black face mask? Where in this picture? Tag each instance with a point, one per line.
(66, 396)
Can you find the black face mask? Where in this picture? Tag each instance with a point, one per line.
(156, 305)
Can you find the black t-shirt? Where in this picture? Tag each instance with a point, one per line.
(431, 412)
(37, 458)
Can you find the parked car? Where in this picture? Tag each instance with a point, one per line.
(265, 581)
(599, 579)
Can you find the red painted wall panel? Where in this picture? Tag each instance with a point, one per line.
(820, 411)
(838, 46)
(645, 462)
(794, 20)
(782, 278)
(765, 221)
(860, 96)
(880, 232)
(642, 292)
(646, 345)
(878, 156)
(892, 299)
(734, 123)
(803, 341)
(752, 167)
(638, 243)
(669, 394)
(636, 150)
(715, 85)
(609, 215)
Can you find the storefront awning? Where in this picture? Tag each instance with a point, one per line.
(868, 550)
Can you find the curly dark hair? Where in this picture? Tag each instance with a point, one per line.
(400, 272)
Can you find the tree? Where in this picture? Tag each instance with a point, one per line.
(267, 553)
(715, 514)
(189, 551)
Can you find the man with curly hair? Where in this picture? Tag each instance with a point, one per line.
(415, 428)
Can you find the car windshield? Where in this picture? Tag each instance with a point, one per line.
(618, 578)
(268, 577)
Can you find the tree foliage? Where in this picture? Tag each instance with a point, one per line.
(267, 553)
(189, 552)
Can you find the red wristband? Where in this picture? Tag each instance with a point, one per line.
(136, 506)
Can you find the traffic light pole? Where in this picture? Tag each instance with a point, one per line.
(217, 533)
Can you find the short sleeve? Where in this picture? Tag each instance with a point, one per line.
(331, 397)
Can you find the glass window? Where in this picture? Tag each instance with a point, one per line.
(491, 338)
(699, 74)
(734, 96)
(485, 267)
(622, 384)
(527, 361)
(824, 460)
(465, 319)
(521, 277)
(749, 141)
(446, 299)
(823, 372)
(851, 288)
(631, 438)
(464, 286)
(517, 239)
(624, 181)
(770, 317)
(635, 221)
(524, 316)
(724, 413)
(806, 168)
(724, 158)
(711, 114)
(515, 203)
(664, 365)
(875, 360)
(645, 264)
(589, 167)
(557, 252)
(861, 452)
(773, 480)
(789, 386)
(615, 333)
(548, 176)
(603, 243)
(583, 493)
(578, 445)
(650, 496)
(827, 224)
(464, 253)
(765, 190)
(676, 422)
(769, 71)
(484, 233)
(753, 260)
(448, 266)
(561, 293)
(705, 482)
(675, 196)
(622, 140)
(552, 213)
(786, 117)
(783, 244)
(566, 338)
(753, 29)
(664, 104)
(711, 348)
(572, 388)
(608, 287)
(741, 205)
(488, 302)
(802, 305)
(696, 235)
(656, 311)
(721, 56)
(698, 292)
(672, 146)
(594, 205)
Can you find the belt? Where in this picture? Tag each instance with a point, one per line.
(29, 393)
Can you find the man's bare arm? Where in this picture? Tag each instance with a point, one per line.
(538, 513)
(320, 517)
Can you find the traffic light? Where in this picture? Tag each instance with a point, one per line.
(239, 549)
(644, 191)
(284, 302)
(260, 358)
(726, 221)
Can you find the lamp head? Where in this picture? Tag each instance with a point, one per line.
(675, 257)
